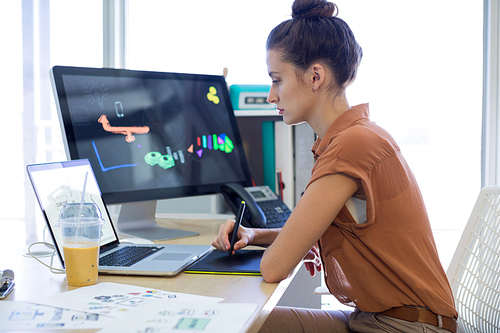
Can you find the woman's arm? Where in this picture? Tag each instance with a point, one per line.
(320, 204)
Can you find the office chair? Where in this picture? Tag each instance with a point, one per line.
(474, 271)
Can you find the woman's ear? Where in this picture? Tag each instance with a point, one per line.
(318, 76)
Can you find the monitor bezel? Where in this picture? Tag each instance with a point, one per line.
(57, 73)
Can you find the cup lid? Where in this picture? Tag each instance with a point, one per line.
(84, 215)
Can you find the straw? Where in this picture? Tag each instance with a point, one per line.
(83, 195)
(81, 205)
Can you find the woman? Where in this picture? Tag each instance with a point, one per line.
(362, 216)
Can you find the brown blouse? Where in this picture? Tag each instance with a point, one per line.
(391, 259)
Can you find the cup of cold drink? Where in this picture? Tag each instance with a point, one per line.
(80, 226)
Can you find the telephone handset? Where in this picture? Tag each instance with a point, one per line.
(264, 208)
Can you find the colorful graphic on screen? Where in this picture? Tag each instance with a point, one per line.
(127, 131)
(212, 95)
(96, 93)
(215, 142)
(220, 142)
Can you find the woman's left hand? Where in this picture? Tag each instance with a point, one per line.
(312, 261)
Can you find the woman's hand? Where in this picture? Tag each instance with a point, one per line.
(312, 261)
(222, 242)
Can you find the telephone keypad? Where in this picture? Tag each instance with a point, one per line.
(276, 214)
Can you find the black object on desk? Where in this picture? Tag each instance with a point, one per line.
(243, 262)
(6, 283)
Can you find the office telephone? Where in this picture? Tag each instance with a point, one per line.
(264, 208)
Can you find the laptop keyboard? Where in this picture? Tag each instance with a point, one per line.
(127, 256)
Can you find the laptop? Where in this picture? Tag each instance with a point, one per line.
(59, 183)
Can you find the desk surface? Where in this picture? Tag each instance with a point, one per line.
(32, 278)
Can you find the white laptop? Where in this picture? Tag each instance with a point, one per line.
(56, 184)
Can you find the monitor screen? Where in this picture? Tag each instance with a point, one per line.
(150, 135)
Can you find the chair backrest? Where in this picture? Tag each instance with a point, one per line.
(474, 271)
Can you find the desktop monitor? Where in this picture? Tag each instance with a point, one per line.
(150, 136)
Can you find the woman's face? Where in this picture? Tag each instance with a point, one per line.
(291, 94)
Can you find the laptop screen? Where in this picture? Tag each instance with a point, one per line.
(60, 183)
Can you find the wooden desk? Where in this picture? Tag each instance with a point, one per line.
(32, 278)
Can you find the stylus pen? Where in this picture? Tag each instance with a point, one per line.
(239, 217)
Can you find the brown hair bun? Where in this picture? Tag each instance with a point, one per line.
(313, 8)
(315, 33)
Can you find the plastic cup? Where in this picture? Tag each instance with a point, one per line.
(80, 227)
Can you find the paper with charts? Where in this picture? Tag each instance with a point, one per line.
(116, 307)
(184, 317)
(15, 315)
(114, 299)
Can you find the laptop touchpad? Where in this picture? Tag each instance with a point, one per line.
(173, 256)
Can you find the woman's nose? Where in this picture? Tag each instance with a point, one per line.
(271, 97)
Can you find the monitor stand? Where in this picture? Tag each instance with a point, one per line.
(138, 219)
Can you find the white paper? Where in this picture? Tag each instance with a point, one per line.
(28, 316)
(185, 317)
(115, 300)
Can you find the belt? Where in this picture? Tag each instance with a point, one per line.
(422, 315)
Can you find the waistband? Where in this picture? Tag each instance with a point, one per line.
(422, 315)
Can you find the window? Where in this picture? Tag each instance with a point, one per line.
(38, 35)
(204, 36)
